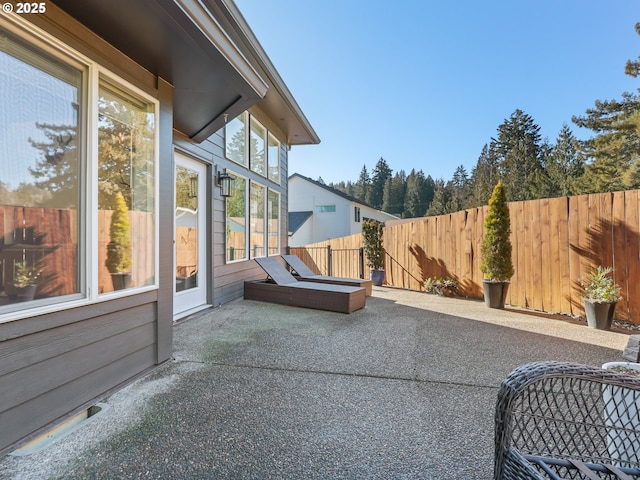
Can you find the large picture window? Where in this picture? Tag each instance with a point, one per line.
(41, 105)
(52, 247)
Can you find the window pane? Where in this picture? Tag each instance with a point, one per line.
(325, 208)
(257, 220)
(258, 135)
(40, 149)
(235, 139)
(126, 172)
(273, 213)
(236, 220)
(274, 159)
(186, 248)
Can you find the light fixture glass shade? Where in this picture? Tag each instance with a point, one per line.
(224, 182)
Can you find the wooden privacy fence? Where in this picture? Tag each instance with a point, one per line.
(555, 243)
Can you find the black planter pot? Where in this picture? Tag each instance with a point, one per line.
(599, 315)
(121, 281)
(495, 293)
(21, 294)
(377, 277)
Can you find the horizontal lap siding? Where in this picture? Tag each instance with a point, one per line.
(80, 361)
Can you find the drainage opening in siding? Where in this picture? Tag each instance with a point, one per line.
(47, 438)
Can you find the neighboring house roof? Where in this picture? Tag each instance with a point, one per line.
(335, 191)
(206, 50)
(297, 219)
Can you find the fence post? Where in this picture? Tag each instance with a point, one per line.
(329, 260)
(361, 261)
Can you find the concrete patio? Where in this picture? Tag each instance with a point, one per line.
(403, 389)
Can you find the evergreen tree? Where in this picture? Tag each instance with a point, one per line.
(519, 155)
(564, 167)
(614, 153)
(616, 147)
(363, 185)
(484, 176)
(632, 67)
(394, 194)
(419, 194)
(441, 199)
(460, 190)
(381, 173)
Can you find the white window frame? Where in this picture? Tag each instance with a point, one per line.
(88, 181)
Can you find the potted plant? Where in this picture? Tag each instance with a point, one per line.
(496, 250)
(119, 248)
(440, 286)
(25, 282)
(372, 239)
(601, 294)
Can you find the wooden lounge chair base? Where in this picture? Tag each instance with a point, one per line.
(334, 298)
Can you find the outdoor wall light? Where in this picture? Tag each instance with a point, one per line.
(224, 180)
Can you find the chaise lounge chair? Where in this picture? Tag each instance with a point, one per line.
(308, 275)
(281, 287)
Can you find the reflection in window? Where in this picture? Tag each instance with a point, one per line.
(235, 139)
(186, 229)
(273, 158)
(257, 220)
(125, 189)
(40, 140)
(273, 212)
(258, 151)
(236, 220)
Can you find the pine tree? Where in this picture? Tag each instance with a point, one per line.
(394, 194)
(362, 186)
(519, 155)
(440, 202)
(615, 148)
(564, 167)
(484, 176)
(381, 173)
(418, 196)
(614, 152)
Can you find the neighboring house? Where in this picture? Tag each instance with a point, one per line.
(318, 212)
(131, 110)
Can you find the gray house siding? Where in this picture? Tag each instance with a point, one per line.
(87, 349)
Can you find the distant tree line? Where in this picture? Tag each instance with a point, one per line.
(529, 167)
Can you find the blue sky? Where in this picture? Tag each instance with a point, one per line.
(425, 84)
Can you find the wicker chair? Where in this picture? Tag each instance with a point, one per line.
(559, 420)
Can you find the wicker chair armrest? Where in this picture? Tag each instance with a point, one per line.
(563, 410)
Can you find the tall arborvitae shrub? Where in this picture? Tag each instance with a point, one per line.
(119, 248)
(496, 245)
(372, 240)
